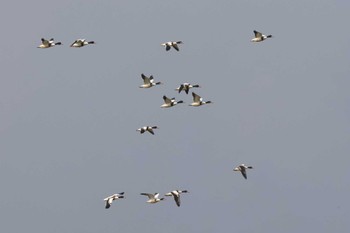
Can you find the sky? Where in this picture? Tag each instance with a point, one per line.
(68, 116)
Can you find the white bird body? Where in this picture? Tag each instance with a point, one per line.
(243, 169)
(198, 101)
(147, 128)
(48, 43)
(176, 195)
(148, 81)
(173, 44)
(153, 198)
(185, 87)
(111, 198)
(259, 37)
(80, 43)
(170, 102)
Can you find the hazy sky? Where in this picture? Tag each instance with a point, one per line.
(68, 117)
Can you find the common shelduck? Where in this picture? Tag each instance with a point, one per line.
(198, 101)
(148, 81)
(173, 44)
(259, 37)
(170, 102)
(48, 43)
(176, 195)
(147, 128)
(186, 87)
(153, 198)
(243, 169)
(111, 198)
(80, 43)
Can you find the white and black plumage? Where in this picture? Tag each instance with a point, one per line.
(173, 44)
(170, 102)
(259, 37)
(148, 81)
(186, 87)
(111, 198)
(243, 169)
(147, 128)
(80, 43)
(176, 195)
(153, 198)
(48, 43)
(198, 101)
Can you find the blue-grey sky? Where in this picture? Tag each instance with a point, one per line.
(68, 117)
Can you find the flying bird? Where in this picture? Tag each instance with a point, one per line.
(176, 195)
(170, 102)
(243, 169)
(259, 37)
(147, 128)
(186, 87)
(198, 101)
(173, 44)
(153, 198)
(48, 43)
(80, 43)
(148, 81)
(111, 198)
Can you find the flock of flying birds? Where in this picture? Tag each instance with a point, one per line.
(149, 82)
